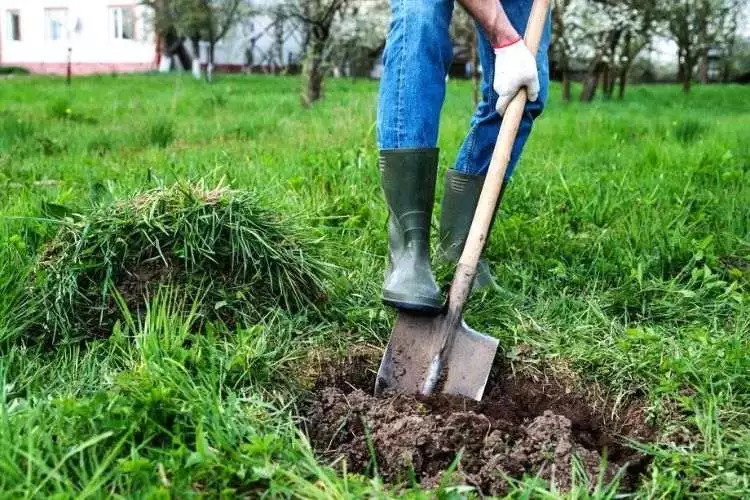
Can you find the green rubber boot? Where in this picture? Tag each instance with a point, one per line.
(460, 199)
(409, 187)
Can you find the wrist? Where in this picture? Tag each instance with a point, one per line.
(505, 38)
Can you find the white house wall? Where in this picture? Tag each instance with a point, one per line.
(89, 34)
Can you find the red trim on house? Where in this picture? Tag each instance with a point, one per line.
(86, 68)
(97, 68)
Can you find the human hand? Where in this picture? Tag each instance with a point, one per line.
(515, 67)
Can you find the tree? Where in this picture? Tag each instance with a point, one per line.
(359, 37)
(195, 20)
(697, 26)
(610, 34)
(317, 18)
(593, 30)
(170, 42)
(209, 20)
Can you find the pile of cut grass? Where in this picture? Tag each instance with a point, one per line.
(234, 258)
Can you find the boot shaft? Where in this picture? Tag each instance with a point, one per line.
(409, 177)
(460, 198)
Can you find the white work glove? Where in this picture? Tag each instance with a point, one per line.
(515, 67)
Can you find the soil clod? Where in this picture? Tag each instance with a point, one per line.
(521, 427)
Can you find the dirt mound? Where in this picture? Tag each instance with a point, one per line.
(520, 427)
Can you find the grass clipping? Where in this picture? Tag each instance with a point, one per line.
(234, 258)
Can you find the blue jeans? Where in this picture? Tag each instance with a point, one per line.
(416, 60)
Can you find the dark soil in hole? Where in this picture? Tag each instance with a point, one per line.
(522, 426)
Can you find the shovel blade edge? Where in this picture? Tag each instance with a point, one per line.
(469, 363)
(416, 340)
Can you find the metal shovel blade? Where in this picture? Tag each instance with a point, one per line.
(414, 364)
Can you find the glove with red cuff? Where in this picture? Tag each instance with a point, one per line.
(515, 67)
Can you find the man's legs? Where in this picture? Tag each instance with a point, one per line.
(476, 151)
(416, 59)
(464, 183)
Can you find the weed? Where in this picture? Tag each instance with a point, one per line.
(159, 133)
(100, 144)
(63, 109)
(14, 129)
(689, 130)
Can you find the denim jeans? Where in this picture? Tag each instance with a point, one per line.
(416, 60)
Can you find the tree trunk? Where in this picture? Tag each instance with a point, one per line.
(687, 79)
(624, 70)
(165, 58)
(314, 90)
(590, 84)
(210, 63)
(279, 46)
(704, 68)
(626, 61)
(687, 72)
(565, 85)
(173, 46)
(611, 84)
(250, 55)
(182, 55)
(608, 81)
(592, 78)
(313, 67)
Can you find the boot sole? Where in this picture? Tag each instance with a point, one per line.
(410, 304)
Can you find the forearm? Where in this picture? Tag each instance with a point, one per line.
(492, 18)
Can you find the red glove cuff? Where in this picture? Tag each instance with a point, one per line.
(507, 44)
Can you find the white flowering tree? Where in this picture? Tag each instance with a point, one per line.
(359, 37)
(608, 34)
(697, 26)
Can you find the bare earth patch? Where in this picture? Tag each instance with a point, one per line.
(521, 427)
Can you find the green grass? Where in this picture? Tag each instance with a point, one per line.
(219, 246)
(623, 247)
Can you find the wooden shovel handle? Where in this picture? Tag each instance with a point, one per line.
(498, 165)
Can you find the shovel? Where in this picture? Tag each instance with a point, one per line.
(429, 354)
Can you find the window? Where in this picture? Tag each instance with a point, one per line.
(55, 21)
(123, 22)
(14, 25)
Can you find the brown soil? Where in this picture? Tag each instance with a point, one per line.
(137, 283)
(522, 426)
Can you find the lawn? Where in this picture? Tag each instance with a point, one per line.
(622, 247)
